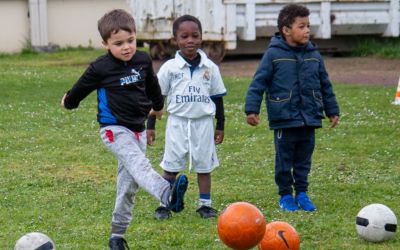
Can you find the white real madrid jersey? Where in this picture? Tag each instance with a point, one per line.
(188, 94)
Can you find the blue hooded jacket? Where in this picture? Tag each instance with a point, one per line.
(296, 84)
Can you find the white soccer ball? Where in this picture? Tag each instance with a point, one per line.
(376, 222)
(34, 241)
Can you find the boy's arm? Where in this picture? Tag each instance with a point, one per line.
(82, 88)
(151, 120)
(334, 120)
(220, 117)
(154, 93)
(258, 86)
(329, 99)
(153, 89)
(253, 119)
(151, 130)
(217, 92)
(151, 125)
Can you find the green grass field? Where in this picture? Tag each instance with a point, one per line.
(56, 177)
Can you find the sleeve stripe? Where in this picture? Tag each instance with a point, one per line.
(218, 95)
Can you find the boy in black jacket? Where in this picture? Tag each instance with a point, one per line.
(127, 91)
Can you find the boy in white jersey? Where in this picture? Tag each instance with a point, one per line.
(194, 89)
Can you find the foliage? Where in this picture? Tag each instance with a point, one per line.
(57, 177)
(381, 47)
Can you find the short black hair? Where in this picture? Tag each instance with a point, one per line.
(288, 14)
(114, 21)
(185, 18)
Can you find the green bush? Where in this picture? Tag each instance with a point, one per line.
(381, 47)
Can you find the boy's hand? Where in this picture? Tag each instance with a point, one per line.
(219, 136)
(62, 100)
(334, 120)
(253, 119)
(157, 114)
(151, 136)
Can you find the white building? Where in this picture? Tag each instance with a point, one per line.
(232, 25)
(41, 23)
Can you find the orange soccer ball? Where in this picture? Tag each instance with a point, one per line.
(241, 225)
(280, 235)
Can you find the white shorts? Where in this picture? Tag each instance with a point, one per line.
(191, 139)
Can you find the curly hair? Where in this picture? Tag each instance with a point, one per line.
(288, 14)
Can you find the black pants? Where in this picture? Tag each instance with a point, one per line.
(293, 152)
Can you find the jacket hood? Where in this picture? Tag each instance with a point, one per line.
(278, 41)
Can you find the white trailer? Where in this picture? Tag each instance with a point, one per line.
(242, 26)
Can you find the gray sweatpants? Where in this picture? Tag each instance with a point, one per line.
(134, 171)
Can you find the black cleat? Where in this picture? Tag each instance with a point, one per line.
(162, 213)
(207, 212)
(177, 194)
(117, 243)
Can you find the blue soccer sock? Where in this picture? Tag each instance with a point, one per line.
(205, 199)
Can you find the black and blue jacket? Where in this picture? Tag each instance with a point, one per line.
(126, 91)
(296, 84)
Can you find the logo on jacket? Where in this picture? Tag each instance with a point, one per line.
(133, 78)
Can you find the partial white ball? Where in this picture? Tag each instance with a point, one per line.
(376, 223)
(34, 241)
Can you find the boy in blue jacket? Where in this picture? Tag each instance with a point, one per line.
(293, 77)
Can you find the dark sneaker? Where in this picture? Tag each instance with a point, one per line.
(177, 194)
(287, 203)
(304, 202)
(207, 212)
(162, 213)
(117, 243)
